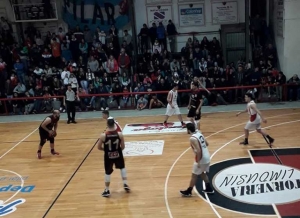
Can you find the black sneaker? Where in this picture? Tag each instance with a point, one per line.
(186, 193)
(68, 122)
(271, 140)
(106, 193)
(209, 191)
(244, 142)
(73, 121)
(126, 188)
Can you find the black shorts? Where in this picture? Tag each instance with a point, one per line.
(44, 135)
(192, 114)
(109, 164)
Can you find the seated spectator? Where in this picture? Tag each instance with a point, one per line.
(142, 103)
(155, 103)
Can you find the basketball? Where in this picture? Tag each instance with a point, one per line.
(52, 134)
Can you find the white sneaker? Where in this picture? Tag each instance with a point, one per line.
(102, 109)
(119, 107)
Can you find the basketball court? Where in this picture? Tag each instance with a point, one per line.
(249, 181)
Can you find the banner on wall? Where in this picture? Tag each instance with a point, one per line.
(96, 13)
(156, 2)
(191, 15)
(224, 12)
(156, 14)
(279, 17)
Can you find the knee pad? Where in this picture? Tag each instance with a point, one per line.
(42, 142)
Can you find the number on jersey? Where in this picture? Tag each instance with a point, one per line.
(202, 141)
(114, 154)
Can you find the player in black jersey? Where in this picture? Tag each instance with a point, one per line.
(48, 132)
(112, 143)
(195, 105)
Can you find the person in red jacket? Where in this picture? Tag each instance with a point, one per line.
(124, 62)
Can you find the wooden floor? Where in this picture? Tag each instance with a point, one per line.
(155, 188)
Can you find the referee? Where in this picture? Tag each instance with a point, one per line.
(69, 102)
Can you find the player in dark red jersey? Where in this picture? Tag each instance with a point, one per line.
(195, 105)
(48, 131)
(105, 115)
(112, 143)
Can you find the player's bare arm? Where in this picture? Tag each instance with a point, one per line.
(45, 123)
(237, 114)
(189, 105)
(202, 86)
(169, 99)
(197, 149)
(55, 126)
(151, 103)
(122, 143)
(101, 142)
(199, 107)
(253, 107)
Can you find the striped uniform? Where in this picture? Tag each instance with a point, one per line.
(205, 159)
(173, 111)
(254, 118)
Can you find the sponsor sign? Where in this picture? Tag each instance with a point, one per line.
(143, 148)
(224, 12)
(191, 15)
(156, 14)
(152, 128)
(262, 183)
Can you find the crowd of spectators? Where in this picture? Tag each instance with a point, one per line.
(98, 62)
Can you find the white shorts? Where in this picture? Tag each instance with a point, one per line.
(172, 111)
(252, 125)
(199, 170)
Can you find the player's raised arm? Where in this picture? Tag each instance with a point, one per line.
(122, 141)
(195, 144)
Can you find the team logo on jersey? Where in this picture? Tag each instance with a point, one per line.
(260, 188)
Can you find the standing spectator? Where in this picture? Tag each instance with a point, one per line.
(144, 34)
(161, 35)
(65, 76)
(172, 32)
(153, 33)
(124, 62)
(19, 68)
(279, 81)
(56, 52)
(128, 38)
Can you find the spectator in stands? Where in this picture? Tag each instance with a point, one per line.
(144, 36)
(153, 33)
(161, 35)
(141, 103)
(293, 89)
(172, 32)
(123, 62)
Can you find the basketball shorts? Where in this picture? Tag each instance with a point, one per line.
(192, 114)
(44, 135)
(109, 164)
(172, 111)
(252, 125)
(199, 170)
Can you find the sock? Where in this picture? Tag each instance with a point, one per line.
(52, 150)
(125, 181)
(39, 151)
(165, 121)
(246, 140)
(106, 188)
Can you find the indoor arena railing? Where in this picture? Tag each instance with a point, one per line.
(266, 93)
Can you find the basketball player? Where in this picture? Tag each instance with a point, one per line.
(202, 160)
(48, 131)
(172, 107)
(255, 118)
(112, 142)
(195, 105)
(105, 115)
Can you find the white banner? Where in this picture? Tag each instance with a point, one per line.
(143, 148)
(156, 14)
(157, 2)
(224, 12)
(279, 17)
(191, 15)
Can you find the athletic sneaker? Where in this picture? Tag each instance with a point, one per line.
(106, 193)
(245, 142)
(209, 191)
(186, 193)
(54, 153)
(165, 125)
(126, 188)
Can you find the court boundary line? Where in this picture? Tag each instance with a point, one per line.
(185, 151)
(70, 179)
(223, 146)
(153, 115)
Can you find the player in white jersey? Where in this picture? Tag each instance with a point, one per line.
(105, 115)
(255, 119)
(202, 160)
(172, 108)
